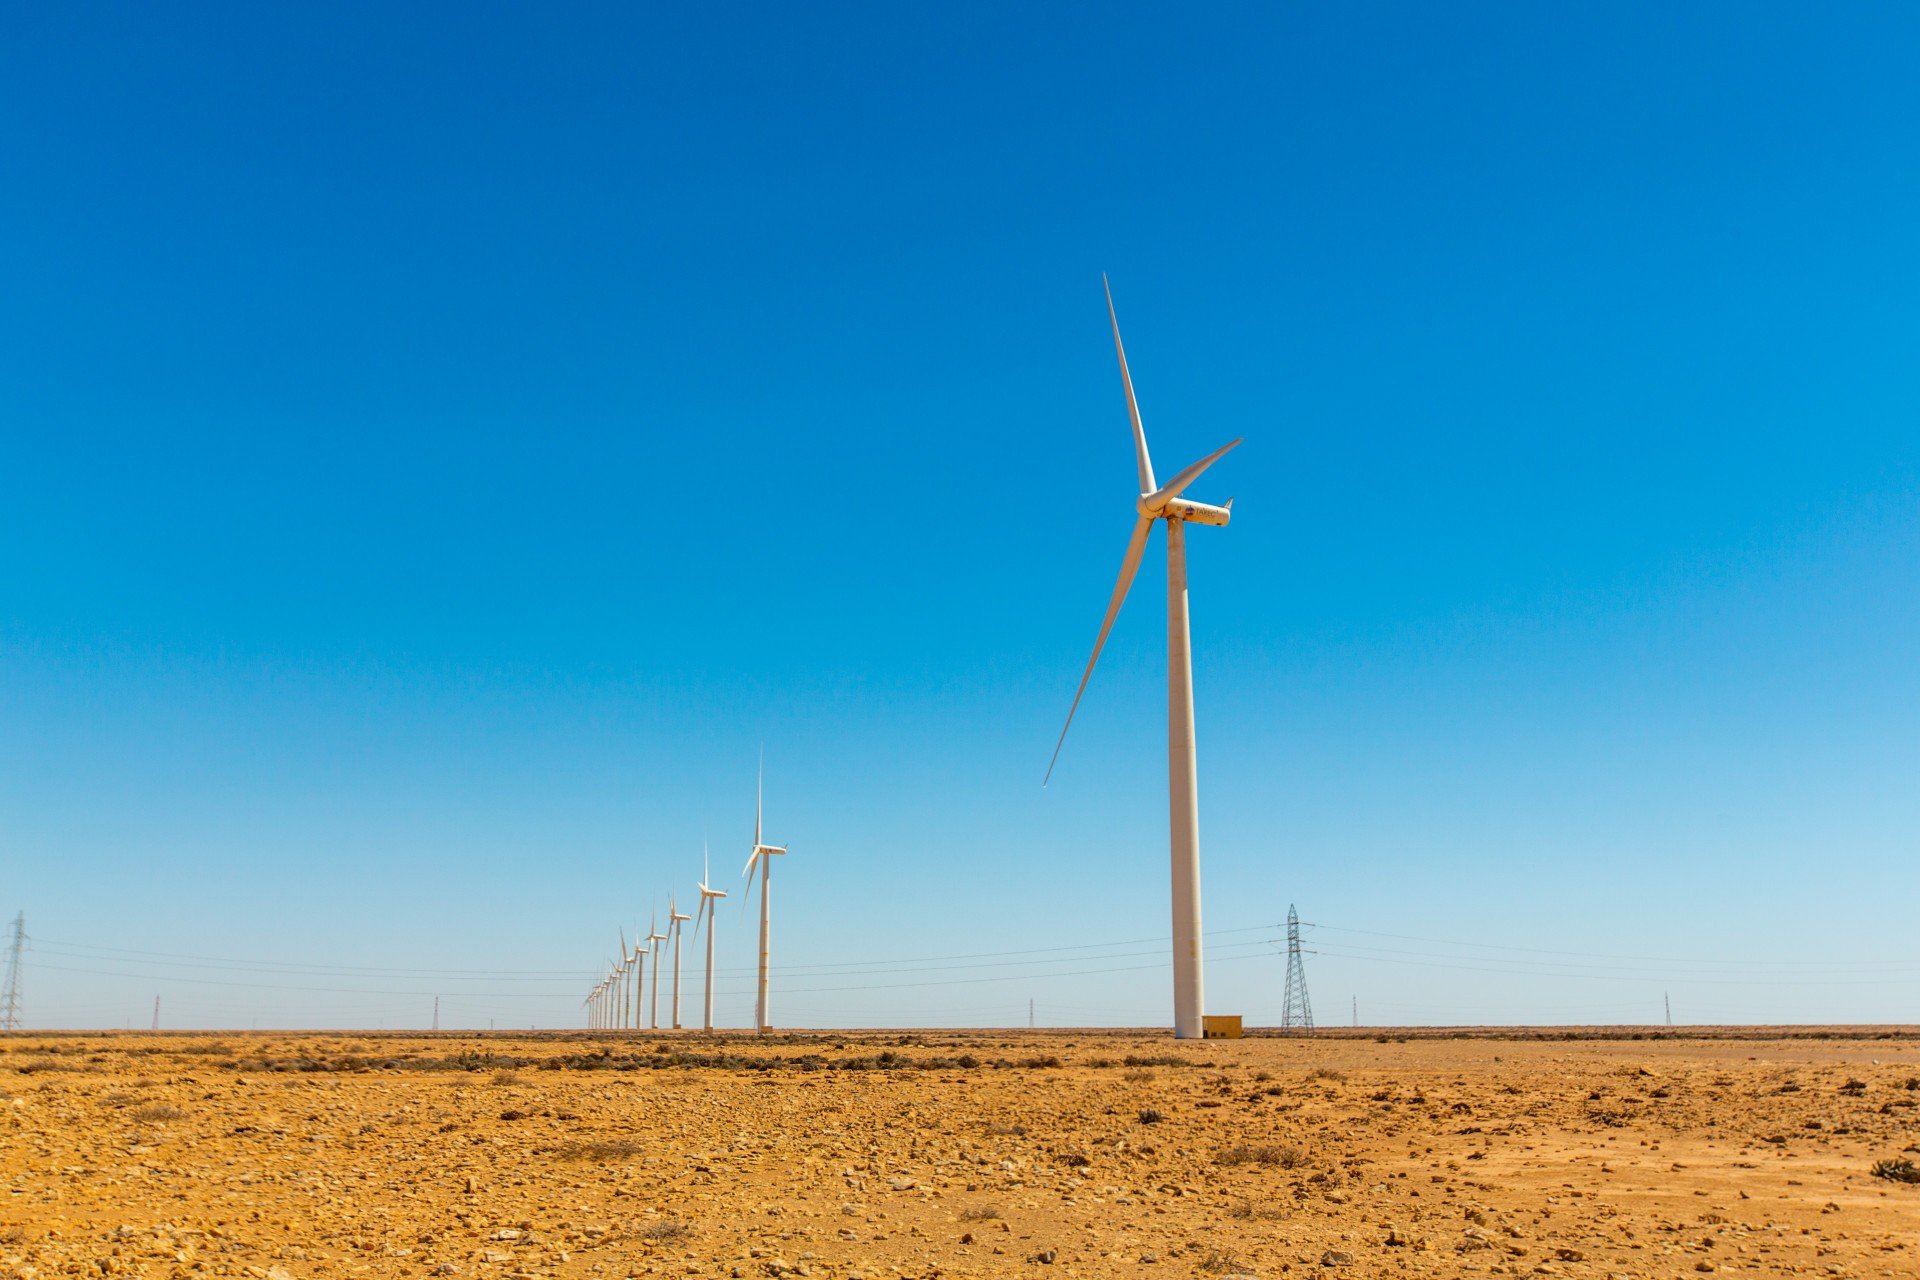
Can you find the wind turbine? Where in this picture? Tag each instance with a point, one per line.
(639, 976)
(763, 854)
(620, 993)
(1155, 503)
(656, 937)
(710, 906)
(675, 918)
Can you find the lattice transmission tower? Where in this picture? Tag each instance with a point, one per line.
(1297, 1014)
(10, 1002)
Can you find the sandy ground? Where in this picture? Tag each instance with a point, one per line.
(279, 1155)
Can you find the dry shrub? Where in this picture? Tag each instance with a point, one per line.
(1150, 1116)
(1327, 1073)
(505, 1078)
(1139, 1075)
(1217, 1262)
(1247, 1210)
(980, 1213)
(1897, 1170)
(605, 1149)
(1264, 1156)
(667, 1231)
(157, 1112)
(1007, 1130)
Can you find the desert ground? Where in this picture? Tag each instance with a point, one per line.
(958, 1154)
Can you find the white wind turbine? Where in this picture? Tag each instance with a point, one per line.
(763, 854)
(675, 919)
(710, 906)
(639, 978)
(1158, 502)
(655, 937)
(620, 1000)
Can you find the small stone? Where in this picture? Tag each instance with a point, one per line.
(1045, 1255)
(1336, 1258)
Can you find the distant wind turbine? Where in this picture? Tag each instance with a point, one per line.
(639, 977)
(620, 998)
(656, 938)
(675, 919)
(1158, 502)
(763, 855)
(710, 907)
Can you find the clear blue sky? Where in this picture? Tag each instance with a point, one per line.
(438, 449)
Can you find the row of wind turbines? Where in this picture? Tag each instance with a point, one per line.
(614, 1003)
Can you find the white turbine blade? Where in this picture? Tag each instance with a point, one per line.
(623, 942)
(1133, 407)
(1171, 489)
(1136, 547)
(759, 796)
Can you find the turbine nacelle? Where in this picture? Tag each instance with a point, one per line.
(1191, 512)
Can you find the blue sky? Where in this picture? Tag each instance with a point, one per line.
(438, 451)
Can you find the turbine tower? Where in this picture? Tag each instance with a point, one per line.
(10, 1002)
(675, 919)
(1296, 1012)
(655, 937)
(625, 1006)
(639, 978)
(710, 905)
(1157, 502)
(763, 854)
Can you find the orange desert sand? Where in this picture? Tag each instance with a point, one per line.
(959, 1154)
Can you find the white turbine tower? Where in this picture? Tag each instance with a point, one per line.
(1163, 502)
(710, 906)
(763, 854)
(675, 919)
(620, 993)
(656, 938)
(639, 977)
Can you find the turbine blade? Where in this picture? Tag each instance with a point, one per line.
(1171, 489)
(1133, 407)
(759, 795)
(1136, 547)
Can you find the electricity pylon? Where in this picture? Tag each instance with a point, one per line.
(1296, 1013)
(10, 1002)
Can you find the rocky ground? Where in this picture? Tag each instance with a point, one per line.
(996, 1153)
